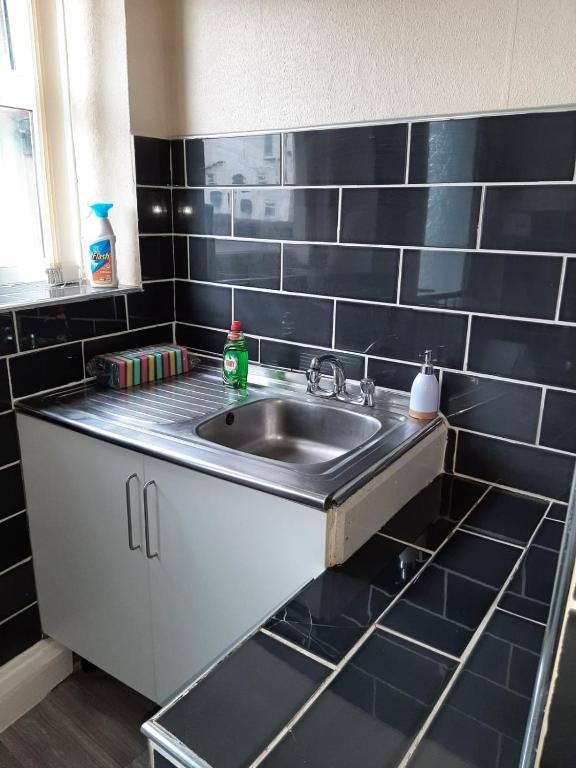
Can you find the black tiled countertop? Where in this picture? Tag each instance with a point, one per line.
(420, 651)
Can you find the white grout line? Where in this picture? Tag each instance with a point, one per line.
(519, 616)
(399, 185)
(14, 615)
(339, 220)
(400, 269)
(561, 288)
(405, 543)
(417, 642)
(467, 344)
(455, 452)
(499, 438)
(282, 267)
(379, 246)
(16, 565)
(296, 647)
(468, 651)
(11, 517)
(511, 488)
(491, 538)
(11, 464)
(334, 306)
(373, 303)
(540, 416)
(16, 330)
(480, 217)
(233, 307)
(408, 147)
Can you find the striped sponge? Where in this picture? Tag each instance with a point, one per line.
(120, 370)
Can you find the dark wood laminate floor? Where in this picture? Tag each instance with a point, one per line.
(88, 721)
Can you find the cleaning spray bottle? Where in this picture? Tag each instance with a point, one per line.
(102, 248)
(424, 395)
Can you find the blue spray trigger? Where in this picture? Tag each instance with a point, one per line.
(101, 209)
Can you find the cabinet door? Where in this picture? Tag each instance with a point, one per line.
(93, 590)
(227, 557)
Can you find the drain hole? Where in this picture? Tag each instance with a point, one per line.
(230, 419)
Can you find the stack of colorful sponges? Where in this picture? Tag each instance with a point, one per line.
(120, 370)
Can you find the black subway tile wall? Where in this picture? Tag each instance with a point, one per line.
(380, 241)
(47, 347)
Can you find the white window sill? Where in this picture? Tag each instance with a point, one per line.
(24, 295)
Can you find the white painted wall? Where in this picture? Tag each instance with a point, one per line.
(209, 66)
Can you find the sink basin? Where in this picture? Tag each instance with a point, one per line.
(290, 431)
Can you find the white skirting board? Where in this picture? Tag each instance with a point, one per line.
(28, 678)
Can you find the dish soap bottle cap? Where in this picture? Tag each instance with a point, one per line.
(235, 330)
(101, 209)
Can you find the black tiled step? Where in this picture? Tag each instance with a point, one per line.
(231, 715)
(449, 600)
(430, 516)
(482, 722)
(331, 614)
(530, 591)
(370, 713)
(19, 633)
(506, 516)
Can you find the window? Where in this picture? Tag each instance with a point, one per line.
(269, 209)
(22, 240)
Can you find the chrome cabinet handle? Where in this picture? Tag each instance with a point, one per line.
(129, 513)
(149, 553)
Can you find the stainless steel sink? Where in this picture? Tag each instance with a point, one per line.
(290, 431)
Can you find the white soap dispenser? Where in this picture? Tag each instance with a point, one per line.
(425, 392)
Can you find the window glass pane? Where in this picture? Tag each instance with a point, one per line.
(21, 254)
(6, 52)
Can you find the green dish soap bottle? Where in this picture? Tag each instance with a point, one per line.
(235, 358)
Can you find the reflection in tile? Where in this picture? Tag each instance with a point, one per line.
(538, 352)
(506, 516)
(286, 214)
(443, 217)
(558, 421)
(57, 324)
(154, 210)
(19, 633)
(152, 160)
(177, 154)
(568, 305)
(11, 491)
(156, 258)
(518, 466)
(333, 270)
(17, 589)
(285, 317)
(523, 285)
(204, 304)
(530, 147)
(298, 358)
(206, 340)
(530, 591)
(249, 697)
(401, 333)
(14, 542)
(236, 262)
(202, 212)
(371, 154)
(392, 375)
(449, 600)
(46, 369)
(492, 406)
(483, 719)
(332, 613)
(432, 514)
(539, 218)
(233, 160)
(9, 446)
(7, 334)
(5, 399)
(372, 710)
(153, 306)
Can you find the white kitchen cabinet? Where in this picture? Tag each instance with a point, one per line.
(220, 556)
